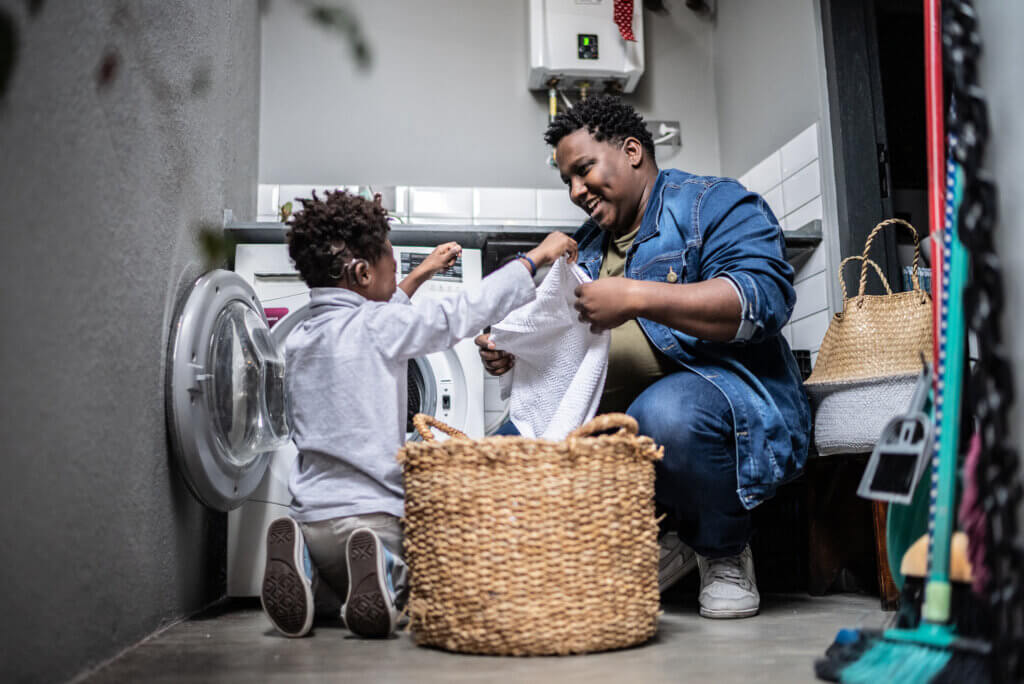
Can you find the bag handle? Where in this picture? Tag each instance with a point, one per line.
(423, 422)
(606, 422)
(859, 257)
(867, 248)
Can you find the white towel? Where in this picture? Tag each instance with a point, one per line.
(560, 366)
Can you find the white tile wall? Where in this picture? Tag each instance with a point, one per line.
(774, 199)
(563, 223)
(401, 201)
(808, 332)
(556, 205)
(438, 220)
(789, 179)
(800, 151)
(441, 202)
(291, 193)
(808, 212)
(765, 175)
(505, 204)
(266, 203)
(802, 187)
(810, 297)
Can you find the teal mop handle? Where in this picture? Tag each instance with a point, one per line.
(938, 590)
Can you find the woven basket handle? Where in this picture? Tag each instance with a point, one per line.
(867, 249)
(858, 257)
(606, 422)
(422, 422)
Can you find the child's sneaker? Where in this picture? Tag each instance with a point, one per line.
(369, 609)
(287, 592)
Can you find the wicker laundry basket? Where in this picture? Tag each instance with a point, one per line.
(522, 546)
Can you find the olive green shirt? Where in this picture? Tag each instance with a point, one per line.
(633, 364)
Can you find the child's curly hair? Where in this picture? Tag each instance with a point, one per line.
(330, 235)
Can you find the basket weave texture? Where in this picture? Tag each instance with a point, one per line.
(521, 546)
(876, 336)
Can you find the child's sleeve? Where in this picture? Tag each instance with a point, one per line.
(430, 324)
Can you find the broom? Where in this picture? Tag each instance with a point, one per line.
(933, 651)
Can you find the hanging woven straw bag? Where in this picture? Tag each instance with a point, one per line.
(521, 546)
(870, 358)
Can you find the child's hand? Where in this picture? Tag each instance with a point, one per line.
(442, 257)
(554, 245)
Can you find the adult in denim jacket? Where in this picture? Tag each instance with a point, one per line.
(706, 279)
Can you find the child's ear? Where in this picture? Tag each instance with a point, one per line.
(361, 271)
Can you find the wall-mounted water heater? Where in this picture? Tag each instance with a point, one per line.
(577, 43)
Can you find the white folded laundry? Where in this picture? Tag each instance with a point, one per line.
(560, 365)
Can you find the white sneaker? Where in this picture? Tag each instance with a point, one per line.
(676, 560)
(728, 588)
(369, 609)
(287, 589)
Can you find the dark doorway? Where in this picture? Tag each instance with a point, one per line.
(874, 57)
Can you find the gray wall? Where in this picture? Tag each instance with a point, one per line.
(103, 189)
(766, 61)
(445, 102)
(1001, 23)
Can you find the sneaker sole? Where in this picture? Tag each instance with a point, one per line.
(728, 614)
(286, 596)
(368, 607)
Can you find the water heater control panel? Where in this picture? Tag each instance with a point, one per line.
(573, 42)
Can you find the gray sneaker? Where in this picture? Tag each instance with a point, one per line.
(287, 589)
(728, 588)
(369, 609)
(676, 560)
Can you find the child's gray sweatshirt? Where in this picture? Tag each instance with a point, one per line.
(346, 376)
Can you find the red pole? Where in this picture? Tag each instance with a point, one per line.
(936, 153)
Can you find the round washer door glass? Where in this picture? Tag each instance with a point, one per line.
(225, 390)
(245, 366)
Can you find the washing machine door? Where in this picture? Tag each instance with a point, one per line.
(225, 390)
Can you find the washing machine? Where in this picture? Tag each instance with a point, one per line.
(448, 385)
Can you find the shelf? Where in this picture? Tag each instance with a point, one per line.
(800, 243)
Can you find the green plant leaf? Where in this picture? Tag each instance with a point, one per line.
(344, 21)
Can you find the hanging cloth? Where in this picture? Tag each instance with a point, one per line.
(624, 18)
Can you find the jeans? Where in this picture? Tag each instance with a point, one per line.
(695, 483)
(326, 541)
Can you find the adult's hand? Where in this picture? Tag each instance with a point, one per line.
(606, 303)
(496, 362)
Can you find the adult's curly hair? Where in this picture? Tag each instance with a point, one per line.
(605, 117)
(329, 235)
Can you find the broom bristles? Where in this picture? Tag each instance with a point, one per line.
(889, 661)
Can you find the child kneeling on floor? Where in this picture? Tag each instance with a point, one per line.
(346, 384)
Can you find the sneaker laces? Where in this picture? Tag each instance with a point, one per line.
(731, 570)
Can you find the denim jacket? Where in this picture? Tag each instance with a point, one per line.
(696, 228)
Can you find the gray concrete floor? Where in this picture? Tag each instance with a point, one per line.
(237, 644)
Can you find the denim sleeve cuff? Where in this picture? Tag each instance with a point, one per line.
(747, 327)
